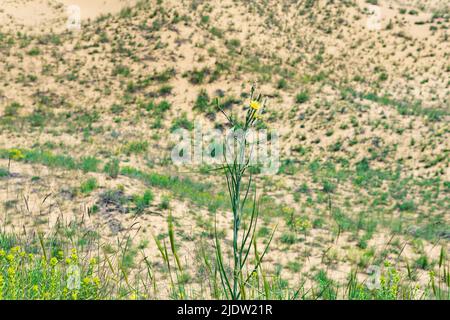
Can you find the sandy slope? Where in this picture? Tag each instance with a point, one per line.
(36, 16)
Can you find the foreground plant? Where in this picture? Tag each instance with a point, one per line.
(24, 275)
(237, 160)
(16, 155)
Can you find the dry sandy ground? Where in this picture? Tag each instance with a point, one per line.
(37, 16)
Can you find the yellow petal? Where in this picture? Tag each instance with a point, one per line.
(255, 105)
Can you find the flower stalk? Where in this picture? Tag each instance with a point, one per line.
(235, 166)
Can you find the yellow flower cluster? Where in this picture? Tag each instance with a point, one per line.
(15, 249)
(11, 272)
(16, 154)
(133, 296)
(53, 261)
(73, 257)
(302, 224)
(92, 280)
(16, 262)
(12, 254)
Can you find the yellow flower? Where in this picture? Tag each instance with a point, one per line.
(133, 296)
(53, 261)
(255, 105)
(15, 249)
(2, 253)
(303, 224)
(11, 272)
(74, 255)
(16, 154)
(96, 281)
(87, 280)
(10, 257)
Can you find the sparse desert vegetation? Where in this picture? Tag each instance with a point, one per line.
(93, 207)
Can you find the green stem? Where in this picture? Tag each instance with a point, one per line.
(236, 225)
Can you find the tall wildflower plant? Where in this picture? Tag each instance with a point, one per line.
(238, 153)
(14, 154)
